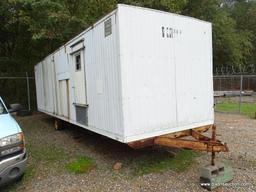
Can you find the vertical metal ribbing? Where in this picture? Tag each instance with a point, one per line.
(28, 91)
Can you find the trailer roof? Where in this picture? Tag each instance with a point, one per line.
(113, 12)
(82, 33)
(165, 12)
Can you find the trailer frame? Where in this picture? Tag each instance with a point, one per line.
(197, 141)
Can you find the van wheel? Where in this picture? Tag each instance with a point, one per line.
(58, 124)
(19, 179)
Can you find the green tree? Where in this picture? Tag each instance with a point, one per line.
(231, 46)
(244, 13)
(175, 6)
(14, 36)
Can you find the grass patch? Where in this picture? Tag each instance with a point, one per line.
(247, 109)
(80, 165)
(164, 161)
(48, 154)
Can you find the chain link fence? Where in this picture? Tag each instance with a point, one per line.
(235, 94)
(18, 89)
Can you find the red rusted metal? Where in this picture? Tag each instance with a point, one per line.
(202, 143)
(213, 140)
(176, 140)
(208, 146)
(150, 141)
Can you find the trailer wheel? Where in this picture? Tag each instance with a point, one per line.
(58, 124)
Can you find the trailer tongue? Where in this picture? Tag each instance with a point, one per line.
(200, 142)
(211, 176)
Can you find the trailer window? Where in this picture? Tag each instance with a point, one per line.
(108, 27)
(78, 62)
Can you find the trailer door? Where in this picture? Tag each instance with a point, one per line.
(64, 97)
(79, 78)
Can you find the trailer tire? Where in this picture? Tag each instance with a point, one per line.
(58, 124)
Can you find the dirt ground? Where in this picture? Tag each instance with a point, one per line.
(46, 170)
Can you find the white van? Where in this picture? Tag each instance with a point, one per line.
(13, 158)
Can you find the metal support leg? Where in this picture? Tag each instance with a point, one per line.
(213, 140)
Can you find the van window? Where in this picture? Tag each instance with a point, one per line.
(2, 108)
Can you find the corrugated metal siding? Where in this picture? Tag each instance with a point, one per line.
(63, 72)
(44, 83)
(166, 81)
(193, 72)
(47, 84)
(39, 86)
(103, 79)
(103, 82)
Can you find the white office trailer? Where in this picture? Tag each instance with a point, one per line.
(137, 73)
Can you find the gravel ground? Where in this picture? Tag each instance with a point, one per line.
(238, 131)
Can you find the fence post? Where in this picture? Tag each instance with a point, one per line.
(241, 90)
(220, 83)
(28, 91)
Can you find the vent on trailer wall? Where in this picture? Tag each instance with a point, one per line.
(108, 27)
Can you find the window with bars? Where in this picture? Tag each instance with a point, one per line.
(78, 62)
